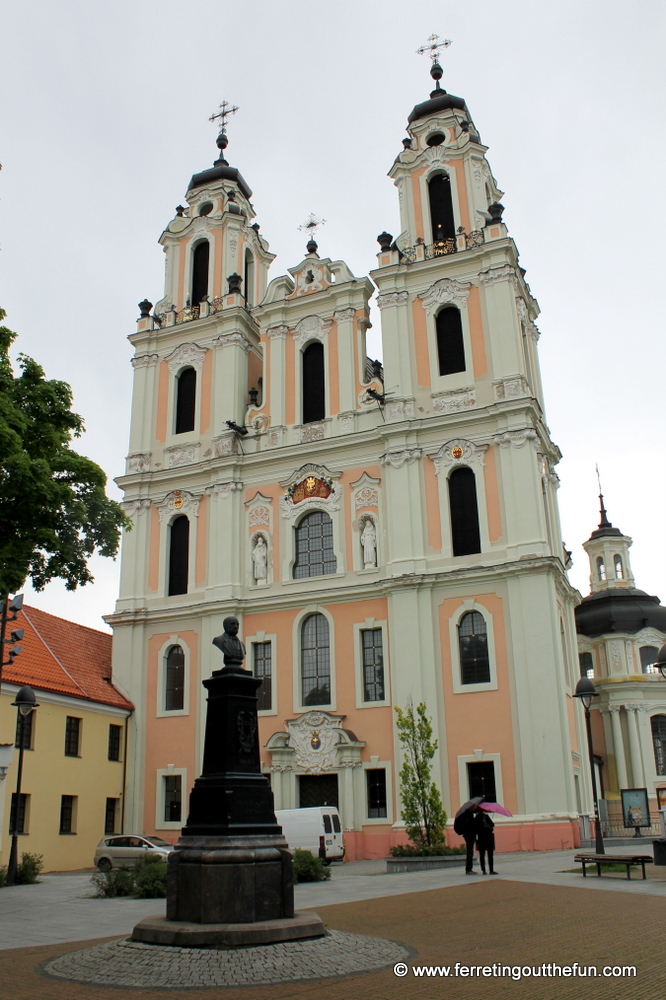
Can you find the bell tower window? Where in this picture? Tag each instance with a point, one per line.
(186, 391)
(450, 345)
(179, 550)
(619, 568)
(248, 283)
(200, 272)
(314, 400)
(441, 208)
(465, 534)
(601, 569)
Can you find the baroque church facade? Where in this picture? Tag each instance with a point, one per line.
(386, 534)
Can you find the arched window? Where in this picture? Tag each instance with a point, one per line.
(248, 284)
(314, 546)
(586, 664)
(186, 397)
(174, 681)
(200, 272)
(465, 535)
(649, 656)
(315, 661)
(658, 723)
(314, 401)
(619, 568)
(179, 546)
(601, 568)
(473, 646)
(450, 345)
(441, 208)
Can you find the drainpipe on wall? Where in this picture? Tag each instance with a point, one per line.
(122, 804)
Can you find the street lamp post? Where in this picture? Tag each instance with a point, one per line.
(660, 662)
(26, 703)
(586, 691)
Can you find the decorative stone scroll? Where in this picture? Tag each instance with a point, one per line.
(132, 507)
(396, 459)
(344, 315)
(445, 290)
(310, 488)
(400, 409)
(178, 502)
(454, 400)
(524, 316)
(310, 279)
(138, 461)
(181, 454)
(458, 452)
(517, 438)
(186, 354)
(277, 332)
(387, 299)
(233, 340)
(511, 387)
(310, 328)
(259, 517)
(222, 491)
(313, 432)
(503, 273)
(225, 444)
(145, 361)
(275, 436)
(317, 740)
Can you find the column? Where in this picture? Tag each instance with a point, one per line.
(637, 773)
(618, 746)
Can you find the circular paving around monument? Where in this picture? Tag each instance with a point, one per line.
(135, 965)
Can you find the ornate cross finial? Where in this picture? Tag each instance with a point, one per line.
(434, 44)
(226, 109)
(598, 478)
(311, 225)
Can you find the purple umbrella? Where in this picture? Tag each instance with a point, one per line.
(495, 807)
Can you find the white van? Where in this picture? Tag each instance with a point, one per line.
(317, 830)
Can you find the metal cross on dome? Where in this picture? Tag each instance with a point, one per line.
(311, 225)
(226, 109)
(434, 44)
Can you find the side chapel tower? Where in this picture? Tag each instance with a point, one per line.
(385, 536)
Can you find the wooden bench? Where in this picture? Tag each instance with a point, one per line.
(614, 859)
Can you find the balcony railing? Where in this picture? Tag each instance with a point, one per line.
(442, 248)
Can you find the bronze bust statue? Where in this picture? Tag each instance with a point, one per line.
(232, 648)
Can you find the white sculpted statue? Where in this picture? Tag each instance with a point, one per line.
(369, 543)
(259, 559)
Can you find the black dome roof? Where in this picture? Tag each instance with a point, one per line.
(619, 610)
(439, 101)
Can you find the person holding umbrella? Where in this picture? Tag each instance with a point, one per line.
(485, 836)
(464, 824)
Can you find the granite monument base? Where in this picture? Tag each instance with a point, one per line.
(304, 925)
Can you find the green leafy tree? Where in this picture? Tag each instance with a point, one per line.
(54, 511)
(422, 809)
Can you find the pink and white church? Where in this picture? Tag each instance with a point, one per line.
(385, 533)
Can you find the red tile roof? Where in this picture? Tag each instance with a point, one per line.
(63, 657)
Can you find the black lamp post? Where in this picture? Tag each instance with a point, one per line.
(26, 702)
(586, 691)
(660, 662)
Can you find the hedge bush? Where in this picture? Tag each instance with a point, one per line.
(27, 871)
(307, 868)
(150, 876)
(117, 882)
(436, 851)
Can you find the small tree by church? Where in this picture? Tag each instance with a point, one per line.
(422, 809)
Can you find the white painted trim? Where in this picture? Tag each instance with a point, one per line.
(312, 609)
(83, 704)
(170, 772)
(379, 765)
(439, 167)
(463, 780)
(359, 627)
(471, 604)
(457, 380)
(161, 713)
(289, 546)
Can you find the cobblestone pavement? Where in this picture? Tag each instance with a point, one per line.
(131, 964)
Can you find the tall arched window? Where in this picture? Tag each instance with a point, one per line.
(314, 398)
(315, 661)
(441, 207)
(658, 723)
(473, 646)
(179, 550)
(186, 399)
(174, 680)
(586, 664)
(601, 569)
(649, 656)
(465, 534)
(248, 283)
(619, 568)
(450, 345)
(200, 272)
(314, 546)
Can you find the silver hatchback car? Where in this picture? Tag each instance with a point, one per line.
(118, 852)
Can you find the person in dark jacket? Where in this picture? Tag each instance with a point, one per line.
(483, 828)
(465, 825)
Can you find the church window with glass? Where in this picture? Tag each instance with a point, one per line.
(658, 723)
(315, 661)
(314, 393)
(261, 667)
(200, 272)
(373, 664)
(174, 680)
(186, 395)
(601, 569)
(465, 534)
(450, 346)
(473, 649)
(179, 548)
(441, 209)
(619, 568)
(314, 546)
(648, 655)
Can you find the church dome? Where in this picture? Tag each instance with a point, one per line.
(626, 610)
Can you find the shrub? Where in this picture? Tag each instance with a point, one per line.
(150, 876)
(307, 868)
(117, 882)
(437, 850)
(27, 870)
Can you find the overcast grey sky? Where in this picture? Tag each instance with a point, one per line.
(104, 119)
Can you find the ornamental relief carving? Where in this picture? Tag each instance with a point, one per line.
(344, 315)
(178, 502)
(315, 739)
(310, 279)
(233, 340)
(445, 290)
(367, 497)
(224, 445)
(458, 452)
(181, 454)
(400, 409)
(524, 316)
(511, 387)
(503, 273)
(277, 332)
(517, 438)
(139, 461)
(454, 400)
(132, 507)
(315, 431)
(310, 328)
(310, 488)
(222, 491)
(396, 459)
(145, 361)
(391, 299)
(259, 516)
(186, 354)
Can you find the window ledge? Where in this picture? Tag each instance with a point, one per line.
(67, 833)
(309, 579)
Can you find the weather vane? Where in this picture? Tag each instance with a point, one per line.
(225, 111)
(434, 44)
(311, 225)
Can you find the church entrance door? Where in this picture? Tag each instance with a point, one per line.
(317, 790)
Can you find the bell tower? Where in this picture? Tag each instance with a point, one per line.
(608, 551)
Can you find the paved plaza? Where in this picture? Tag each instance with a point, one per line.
(534, 914)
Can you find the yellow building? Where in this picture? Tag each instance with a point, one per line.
(75, 743)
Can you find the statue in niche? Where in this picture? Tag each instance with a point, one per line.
(259, 559)
(369, 543)
(232, 648)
